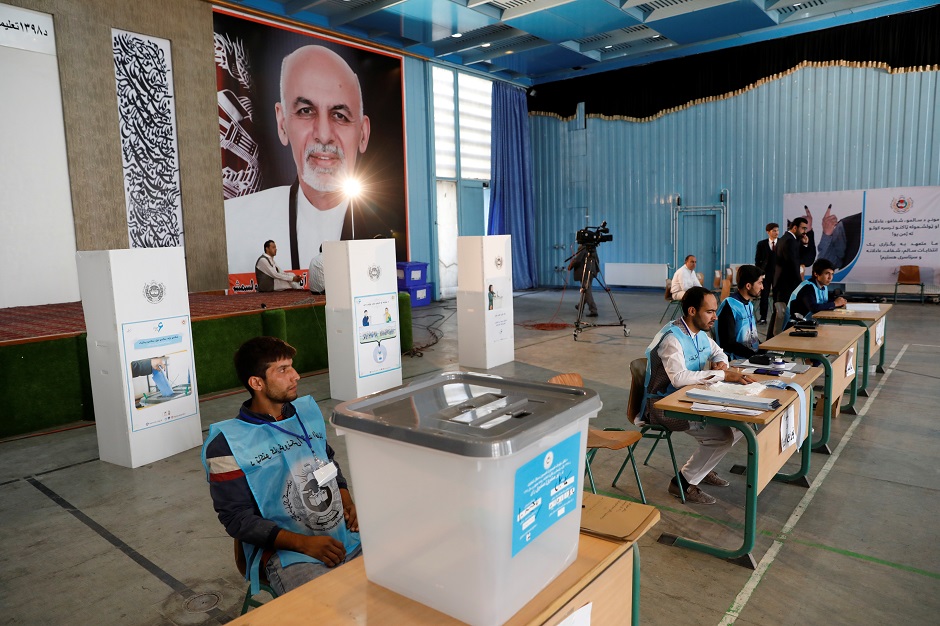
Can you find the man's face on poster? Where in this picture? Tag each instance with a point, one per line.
(320, 117)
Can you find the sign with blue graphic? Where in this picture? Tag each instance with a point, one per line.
(545, 490)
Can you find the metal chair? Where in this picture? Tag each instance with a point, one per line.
(777, 319)
(647, 431)
(609, 438)
(725, 289)
(909, 275)
(264, 585)
(673, 304)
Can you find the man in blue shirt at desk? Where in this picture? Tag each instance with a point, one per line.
(812, 295)
(737, 330)
(683, 353)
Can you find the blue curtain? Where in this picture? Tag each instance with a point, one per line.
(512, 203)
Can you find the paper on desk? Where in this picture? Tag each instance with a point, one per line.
(862, 306)
(880, 332)
(703, 407)
(581, 617)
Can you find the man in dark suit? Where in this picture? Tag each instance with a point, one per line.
(795, 249)
(765, 258)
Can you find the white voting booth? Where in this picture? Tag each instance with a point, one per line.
(362, 322)
(140, 353)
(484, 301)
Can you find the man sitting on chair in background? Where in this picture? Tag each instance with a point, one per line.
(269, 276)
(681, 354)
(685, 278)
(813, 295)
(737, 331)
(272, 477)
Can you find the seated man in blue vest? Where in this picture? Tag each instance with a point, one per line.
(272, 477)
(683, 353)
(812, 295)
(737, 330)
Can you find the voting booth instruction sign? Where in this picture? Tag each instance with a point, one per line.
(158, 364)
(545, 490)
(378, 344)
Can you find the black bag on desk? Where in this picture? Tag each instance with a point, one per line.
(806, 325)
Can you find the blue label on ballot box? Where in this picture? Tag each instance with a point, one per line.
(545, 490)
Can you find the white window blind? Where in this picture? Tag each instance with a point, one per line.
(474, 103)
(475, 106)
(445, 143)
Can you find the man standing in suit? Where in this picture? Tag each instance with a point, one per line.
(765, 258)
(795, 249)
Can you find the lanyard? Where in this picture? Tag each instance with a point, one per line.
(694, 338)
(305, 437)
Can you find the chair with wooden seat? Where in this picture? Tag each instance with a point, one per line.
(725, 288)
(263, 585)
(656, 432)
(777, 319)
(675, 305)
(909, 275)
(609, 438)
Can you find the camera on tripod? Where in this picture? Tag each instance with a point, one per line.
(593, 235)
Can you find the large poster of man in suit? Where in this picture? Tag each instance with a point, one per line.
(312, 139)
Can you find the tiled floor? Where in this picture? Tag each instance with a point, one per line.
(86, 542)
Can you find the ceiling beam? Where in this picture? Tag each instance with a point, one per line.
(296, 6)
(361, 11)
(534, 6)
(616, 38)
(474, 39)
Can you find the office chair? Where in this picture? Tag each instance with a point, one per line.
(609, 438)
(675, 305)
(647, 431)
(242, 565)
(909, 275)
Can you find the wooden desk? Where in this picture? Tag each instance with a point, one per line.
(763, 452)
(834, 341)
(868, 319)
(601, 574)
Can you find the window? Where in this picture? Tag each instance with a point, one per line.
(474, 101)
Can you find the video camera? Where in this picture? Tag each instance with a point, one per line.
(593, 235)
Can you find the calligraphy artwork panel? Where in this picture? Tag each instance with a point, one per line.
(143, 74)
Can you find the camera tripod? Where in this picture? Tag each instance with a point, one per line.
(591, 272)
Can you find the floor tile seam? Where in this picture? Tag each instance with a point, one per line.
(895, 483)
(151, 567)
(691, 514)
(48, 471)
(865, 557)
(743, 597)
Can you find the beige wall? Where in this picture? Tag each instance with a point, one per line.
(89, 103)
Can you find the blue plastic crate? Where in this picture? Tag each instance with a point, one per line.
(421, 295)
(411, 274)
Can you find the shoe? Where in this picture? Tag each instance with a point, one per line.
(711, 478)
(762, 321)
(591, 314)
(577, 308)
(693, 494)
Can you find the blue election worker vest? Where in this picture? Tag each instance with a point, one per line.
(697, 351)
(279, 468)
(744, 328)
(822, 297)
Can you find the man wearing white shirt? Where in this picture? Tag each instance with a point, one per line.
(684, 279)
(269, 276)
(683, 353)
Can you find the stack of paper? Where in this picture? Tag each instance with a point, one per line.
(761, 404)
(702, 407)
